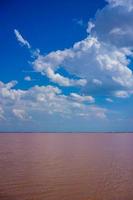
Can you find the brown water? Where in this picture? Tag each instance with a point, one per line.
(66, 166)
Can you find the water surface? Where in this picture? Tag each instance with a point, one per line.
(66, 166)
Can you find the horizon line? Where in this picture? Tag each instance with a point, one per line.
(77, 132)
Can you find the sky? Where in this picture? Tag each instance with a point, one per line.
(66, 66)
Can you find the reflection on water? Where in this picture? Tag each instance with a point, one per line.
(66, 167)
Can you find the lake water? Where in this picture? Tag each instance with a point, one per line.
(66, 166)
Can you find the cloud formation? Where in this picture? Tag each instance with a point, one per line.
(122, 3)
(98, 65)
(109, 100)
(20, 114)
(113, 24)
(63, 81)
(1, 113)
(21, 39)
(102, 59)
(47, 100)
(27, 78)
(93, 61)
(80, 98)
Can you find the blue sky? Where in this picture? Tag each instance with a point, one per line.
(66, 65)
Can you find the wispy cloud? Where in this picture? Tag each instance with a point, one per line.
(79, 22)
(21, 39)
(109, 100)
(27, 78)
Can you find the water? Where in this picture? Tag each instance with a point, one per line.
(66, 166)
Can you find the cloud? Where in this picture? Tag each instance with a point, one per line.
(63, 81)
(80, 98)
(93, 61)
(102, 58)
(48, 100)
(6, 91)
(121, 94)
(48, 65)
(90, 27)
(27, 78)
(21, 39)
(97, 82)
(20, 114)
(126, 4)
(1, 114)
(113, 24)
(109, 100)
(99, 64)
(79, 22)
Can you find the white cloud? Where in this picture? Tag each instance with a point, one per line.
(20, 114)
(91, 60)
(47, 65)
(82, 98)
(120, 32)
(97, 82)
(27, 78)
(109, 100)
(122, 94)
(47, 100)
(113, 24)
(99, 63)
(90, 27)
(102, 58)
(125, 3)
(8, 93)
(21, 39)
(63, 81)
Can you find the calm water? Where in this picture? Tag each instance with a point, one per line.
(66, 166)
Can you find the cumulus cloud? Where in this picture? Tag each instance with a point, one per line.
(102, 58)
(127, 4)
(7, 91)
(93, 61)
(99, 63)
(90, 27)
(20, 114)
(21, 39)
(81, 98)
(47, 100)
(47, 65)
(63, 81)
(114, 23)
